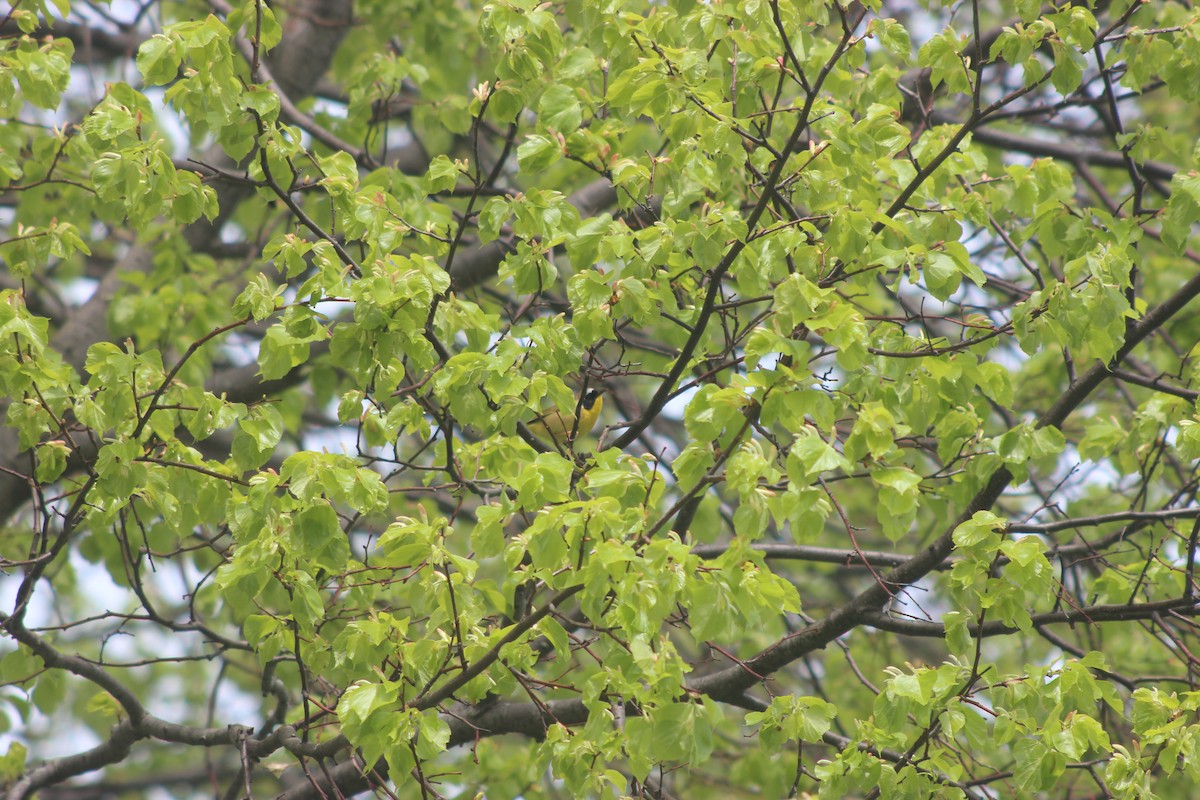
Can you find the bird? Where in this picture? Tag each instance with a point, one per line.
(558, 426)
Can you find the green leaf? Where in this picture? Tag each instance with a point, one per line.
(50, 691)
(943, 55)
(538, 152)
(442, 175)
(892, 35)
(981, 527)
(559, 109)
(319, 538)
(942, 275)
(52, 460)
(13, 763)
(258, 434)
(546, 481)
(159, 59)
(280, 352)
(810, 455)
(1068, 68)
(359, 702)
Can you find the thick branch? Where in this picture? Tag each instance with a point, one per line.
(733, 681)
(92, 44)
(1118, 612)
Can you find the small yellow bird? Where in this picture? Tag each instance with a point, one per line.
(557, 425)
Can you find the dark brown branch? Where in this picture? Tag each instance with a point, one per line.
(1118, 612)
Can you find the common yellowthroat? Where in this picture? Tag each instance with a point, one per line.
(557, 425)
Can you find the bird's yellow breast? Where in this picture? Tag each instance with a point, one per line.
(556, 425)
